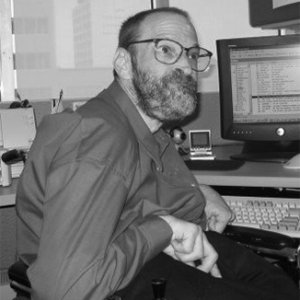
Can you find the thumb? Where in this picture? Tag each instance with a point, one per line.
(212, 223)
(215, 224)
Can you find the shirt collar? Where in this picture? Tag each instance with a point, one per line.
(154, 144)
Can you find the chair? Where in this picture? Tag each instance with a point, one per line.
(280, 250)
(19, 281)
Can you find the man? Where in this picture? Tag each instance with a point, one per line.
(105, 203)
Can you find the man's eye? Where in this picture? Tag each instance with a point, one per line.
(194, 56)
(165, 49)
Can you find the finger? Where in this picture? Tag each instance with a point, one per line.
(186, 244)
(196, 253)
(217, 224)
(232, 217)
(220, 225)
(183, 246)
(190, 263)
(212, 223)
(209, 258)
(170, 251)
(215, 272)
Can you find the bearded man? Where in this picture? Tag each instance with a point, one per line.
(105, 202)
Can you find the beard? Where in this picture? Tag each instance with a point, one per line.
(167, 99)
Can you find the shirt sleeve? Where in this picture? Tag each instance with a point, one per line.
(90, 252)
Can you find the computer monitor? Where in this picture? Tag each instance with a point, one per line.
(274, 14)
(259, 79)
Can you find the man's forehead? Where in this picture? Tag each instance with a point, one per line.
(168, 25)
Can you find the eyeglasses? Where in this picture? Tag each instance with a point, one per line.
(168, 52)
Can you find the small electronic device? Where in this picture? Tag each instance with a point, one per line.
(200, 144)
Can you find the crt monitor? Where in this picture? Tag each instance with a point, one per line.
(259, 79)
(200, 140)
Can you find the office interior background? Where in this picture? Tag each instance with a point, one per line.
(68, 46)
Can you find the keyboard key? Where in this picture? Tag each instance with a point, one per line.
(295, 212)
(265, 226)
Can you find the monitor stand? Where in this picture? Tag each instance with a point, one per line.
(271, 151)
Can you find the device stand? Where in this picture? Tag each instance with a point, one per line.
(276, 151)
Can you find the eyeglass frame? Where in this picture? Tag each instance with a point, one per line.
(157, 40)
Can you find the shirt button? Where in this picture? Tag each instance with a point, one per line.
(158, 169)
(193, 185)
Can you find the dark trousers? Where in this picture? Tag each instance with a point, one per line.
(245, 276)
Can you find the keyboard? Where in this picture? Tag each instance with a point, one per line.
(280, 215)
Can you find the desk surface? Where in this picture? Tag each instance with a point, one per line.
(251, 174)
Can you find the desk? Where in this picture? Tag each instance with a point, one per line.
(251, 174)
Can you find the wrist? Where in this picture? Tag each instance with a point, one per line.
(170, 221)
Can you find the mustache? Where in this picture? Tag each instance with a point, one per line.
(177, 77)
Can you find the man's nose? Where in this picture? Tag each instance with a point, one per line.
(185, 64)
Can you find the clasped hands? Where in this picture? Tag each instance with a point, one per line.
(189, 243)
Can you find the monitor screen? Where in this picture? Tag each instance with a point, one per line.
(260, 92)
(200, 140)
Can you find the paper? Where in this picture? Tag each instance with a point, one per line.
(18, 128)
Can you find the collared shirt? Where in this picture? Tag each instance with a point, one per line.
(89, 199)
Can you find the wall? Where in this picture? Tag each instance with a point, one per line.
(218, 19)
(213, 19)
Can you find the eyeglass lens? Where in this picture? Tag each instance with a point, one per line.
(168, 52)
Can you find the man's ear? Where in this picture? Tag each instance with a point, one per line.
(122, 63)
